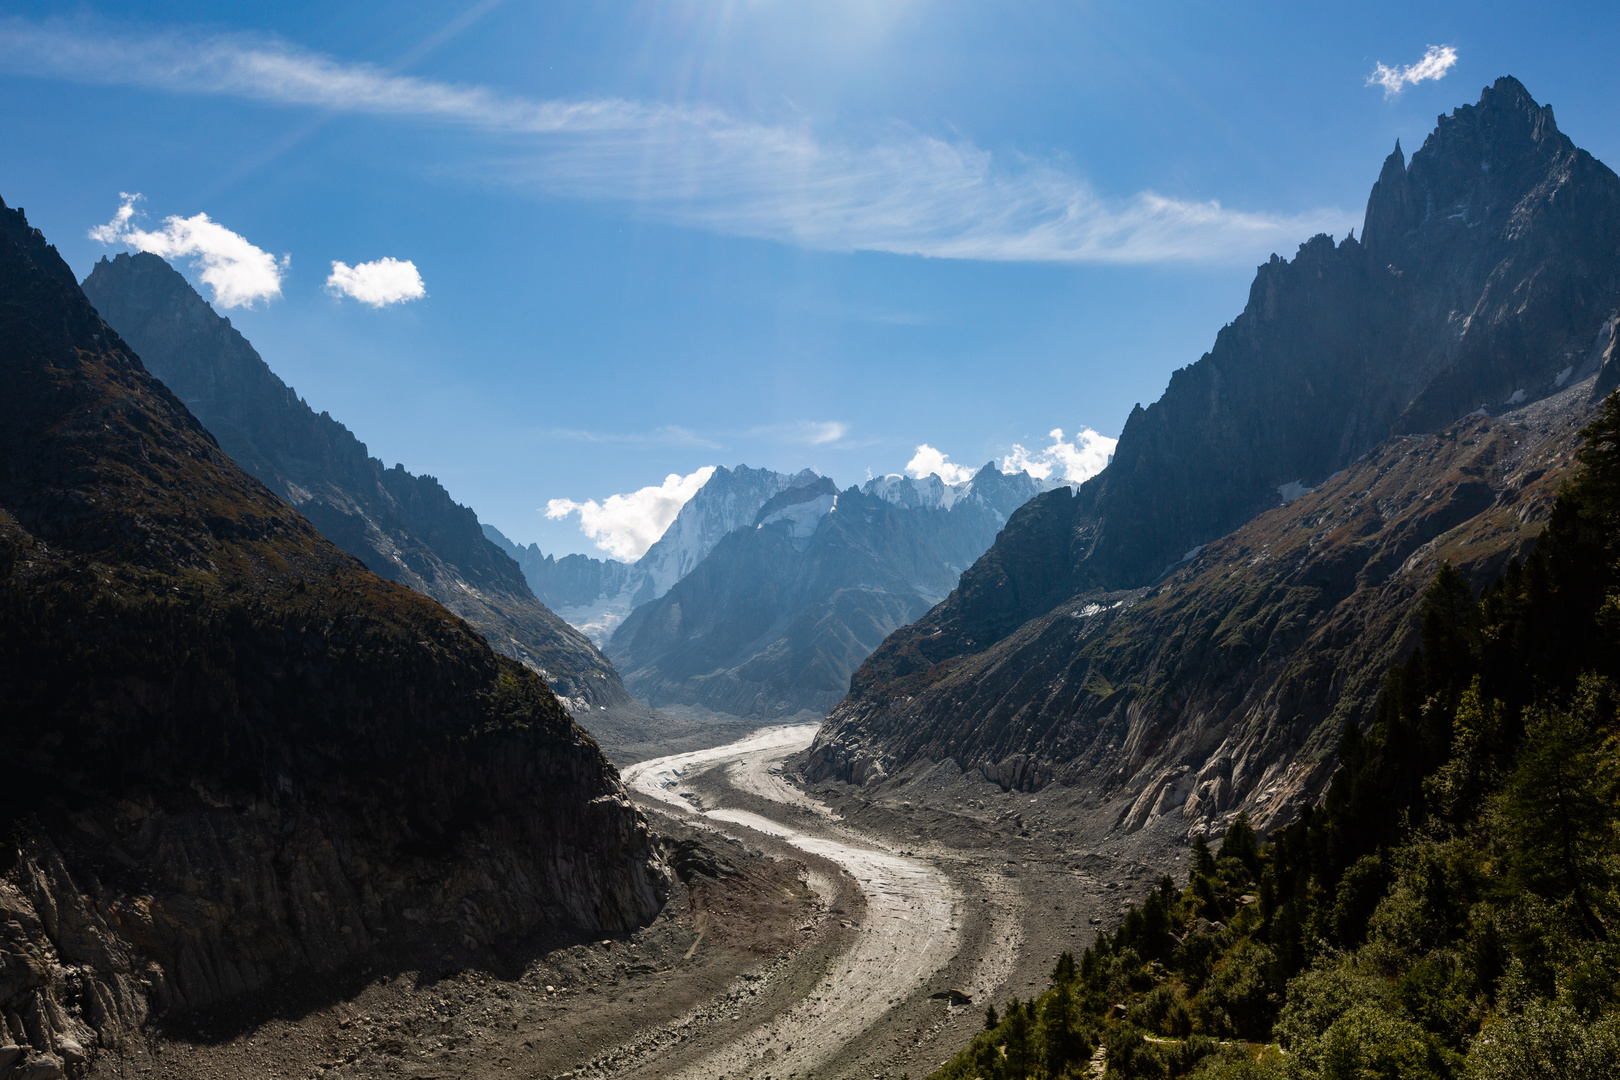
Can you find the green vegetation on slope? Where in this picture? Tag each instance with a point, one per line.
(1448, 911)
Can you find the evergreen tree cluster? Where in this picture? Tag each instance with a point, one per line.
(1448, 911)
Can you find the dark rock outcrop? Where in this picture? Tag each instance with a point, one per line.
(1487, 278)
(234, 754)
(404, 527)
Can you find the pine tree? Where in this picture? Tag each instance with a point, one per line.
(1203, 860)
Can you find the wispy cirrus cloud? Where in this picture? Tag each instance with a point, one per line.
(1436, 61)
(908, 193)
(664, 435)
(804, 432)
(793, 432)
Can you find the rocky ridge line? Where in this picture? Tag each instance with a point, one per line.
(404, 527)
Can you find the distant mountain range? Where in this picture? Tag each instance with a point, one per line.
(846, 592)
(405, 528)
(769, 588)
(596, 595)
(1190, 631)
(777, 616)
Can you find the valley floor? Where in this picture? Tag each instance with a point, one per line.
(967, 889)
(815, 933)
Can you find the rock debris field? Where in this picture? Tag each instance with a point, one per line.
(814, 933)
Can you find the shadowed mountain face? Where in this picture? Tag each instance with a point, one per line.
(405, 528)
(234, 754)
(781, 611)
(1487, 277)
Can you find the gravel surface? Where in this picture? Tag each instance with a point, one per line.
(823, 932)
(909, 932)
(970, 894)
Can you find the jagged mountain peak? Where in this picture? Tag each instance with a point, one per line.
(1000, 492)
(1473, 169)
(1486, 280)
(730, 499)
(596, 595)
(39, 251)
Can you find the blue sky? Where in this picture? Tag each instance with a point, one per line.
(656, 237)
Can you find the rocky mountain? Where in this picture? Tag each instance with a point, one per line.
(775, 618)
(569, 582)
(235, 755)
(596, 595)
(1191, 630)
(405, 528)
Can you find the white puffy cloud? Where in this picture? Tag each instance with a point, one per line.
(1062, 460)
(930, 462)
(625, 526)
(1436, 61)
(238, 271)
(379, 283)
(909, 193)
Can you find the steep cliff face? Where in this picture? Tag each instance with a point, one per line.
(234, 754)
(1487, 278)
(1490, 270)
(1226, 685)
(780, 613)
(404, 527)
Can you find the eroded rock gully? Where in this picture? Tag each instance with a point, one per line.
(1227, 685)
(122, 913)
(1190, 631)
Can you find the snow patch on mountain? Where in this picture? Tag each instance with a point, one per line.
(728, 501)
(598, 619)
(802, 518)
